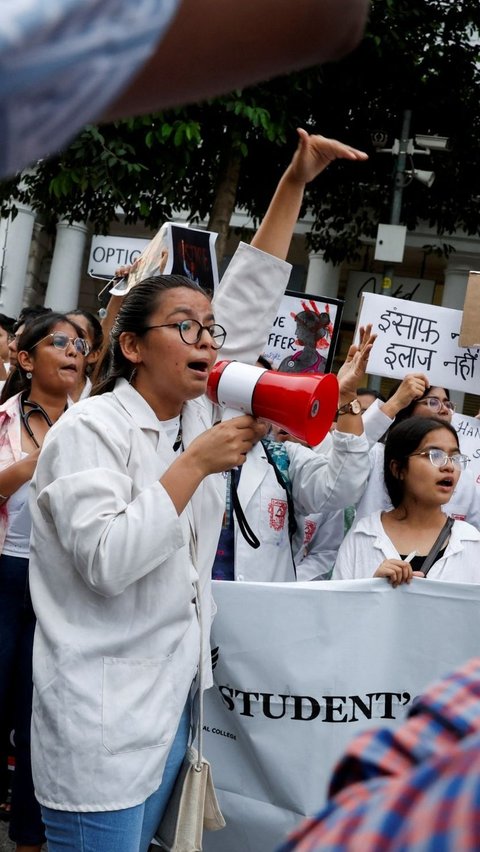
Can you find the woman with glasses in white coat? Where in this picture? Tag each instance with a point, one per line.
(129, 499)
(50, 352)
(415, 396)
(423, 465)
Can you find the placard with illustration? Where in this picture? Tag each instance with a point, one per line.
(304, 334)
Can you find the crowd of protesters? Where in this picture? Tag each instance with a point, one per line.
(114, 508)
(117, 509)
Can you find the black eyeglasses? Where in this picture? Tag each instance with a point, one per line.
(191, 331)
(60, 340)
(439, 459)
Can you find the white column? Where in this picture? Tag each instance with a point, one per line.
(66, 269)
(454, 289)
(323, 277)
(15, 241)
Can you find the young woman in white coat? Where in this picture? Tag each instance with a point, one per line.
(415, 396)
(51, 352)
(129, 499)
(423, 464)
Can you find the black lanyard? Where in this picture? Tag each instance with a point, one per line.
(179, 439)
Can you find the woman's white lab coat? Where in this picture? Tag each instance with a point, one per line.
(112, 572)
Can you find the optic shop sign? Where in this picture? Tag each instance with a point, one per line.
(108, 253)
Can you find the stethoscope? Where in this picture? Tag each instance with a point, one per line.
(35, 408)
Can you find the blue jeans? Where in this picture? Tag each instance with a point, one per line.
(17, 626)
(128, 830)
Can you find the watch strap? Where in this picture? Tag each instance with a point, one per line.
(352, 407)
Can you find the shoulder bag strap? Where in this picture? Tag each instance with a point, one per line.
(200, 676)
(437, 545)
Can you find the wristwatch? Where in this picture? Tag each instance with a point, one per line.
(353, 407)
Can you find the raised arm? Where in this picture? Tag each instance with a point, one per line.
(314, 153)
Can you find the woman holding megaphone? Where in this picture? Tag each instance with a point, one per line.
(128, 504)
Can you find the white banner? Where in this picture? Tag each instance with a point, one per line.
(302, 668)
(418, 338)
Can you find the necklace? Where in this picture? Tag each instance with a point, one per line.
(33, 408)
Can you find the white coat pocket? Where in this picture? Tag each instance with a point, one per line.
(273, 518)
(138, 703)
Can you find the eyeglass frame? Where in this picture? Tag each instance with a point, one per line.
(447, 404)
(446, 458)
(72, 340)
(201, 329)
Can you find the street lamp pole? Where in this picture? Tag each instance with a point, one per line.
(399, 183)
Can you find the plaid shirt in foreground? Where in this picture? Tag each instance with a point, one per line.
(414, 788)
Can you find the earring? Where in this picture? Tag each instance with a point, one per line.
(29, 375)
(132, 375)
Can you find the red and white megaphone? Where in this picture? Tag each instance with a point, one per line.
(303, 405)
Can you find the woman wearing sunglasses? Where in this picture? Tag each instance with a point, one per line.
(423, 465)
(50, 352)
(414, 396)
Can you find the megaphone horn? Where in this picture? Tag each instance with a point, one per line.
(302, 405)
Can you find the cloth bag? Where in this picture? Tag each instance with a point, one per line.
(192, 806)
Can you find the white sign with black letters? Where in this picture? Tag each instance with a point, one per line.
(108, 253)
(468, 429)
(418, 338)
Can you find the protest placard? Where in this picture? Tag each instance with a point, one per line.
(419, 338)
(468, 429)
(175, 249)
(304, 334)
(191, 252)
(408, 289)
